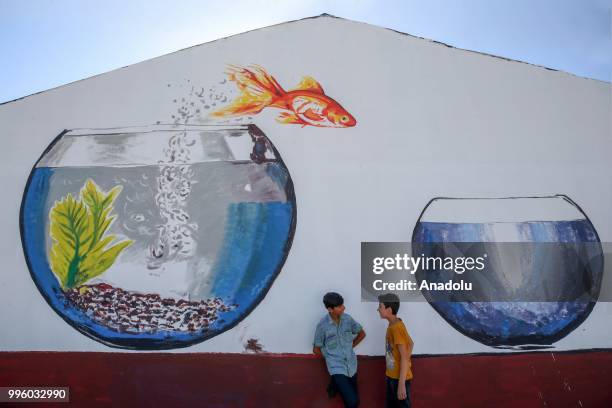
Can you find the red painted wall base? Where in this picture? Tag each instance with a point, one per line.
(542, 379)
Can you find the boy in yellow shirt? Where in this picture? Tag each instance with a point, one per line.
(398, 351)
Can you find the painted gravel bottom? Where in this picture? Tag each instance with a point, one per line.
(133, 312)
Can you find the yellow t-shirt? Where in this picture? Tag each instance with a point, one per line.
(397, 334)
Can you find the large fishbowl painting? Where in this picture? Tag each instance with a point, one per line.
(157, 237)
(542, 248)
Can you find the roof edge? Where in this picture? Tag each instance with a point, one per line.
(302, 19)
(467, 50)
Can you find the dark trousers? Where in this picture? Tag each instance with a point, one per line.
(391, 401)
(347, 387)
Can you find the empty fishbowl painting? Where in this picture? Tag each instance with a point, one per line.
(556, 254)
(157, 237)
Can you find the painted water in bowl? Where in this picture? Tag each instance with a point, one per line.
(530, 222)
(157, 237)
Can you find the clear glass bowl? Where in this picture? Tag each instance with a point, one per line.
(529, 221)
(193, 225)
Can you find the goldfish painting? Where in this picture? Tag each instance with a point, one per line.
(306, 105)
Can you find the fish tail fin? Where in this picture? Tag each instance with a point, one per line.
(258, 89)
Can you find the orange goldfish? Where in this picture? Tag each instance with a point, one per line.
(307, 104)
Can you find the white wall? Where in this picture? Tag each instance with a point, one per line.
(432, 121)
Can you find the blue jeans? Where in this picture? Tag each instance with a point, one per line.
(391, 400)
(347, 387)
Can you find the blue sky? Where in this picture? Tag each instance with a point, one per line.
(47, 43)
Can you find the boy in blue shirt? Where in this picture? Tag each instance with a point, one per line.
(335, 337)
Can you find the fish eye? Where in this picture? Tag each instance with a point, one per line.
(344, 118)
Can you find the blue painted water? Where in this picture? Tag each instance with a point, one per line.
(504, 324)
(237, 228)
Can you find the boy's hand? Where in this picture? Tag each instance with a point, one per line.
(401, 391)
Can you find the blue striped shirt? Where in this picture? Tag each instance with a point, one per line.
(336, 343)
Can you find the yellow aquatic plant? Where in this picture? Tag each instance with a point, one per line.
(81, 250)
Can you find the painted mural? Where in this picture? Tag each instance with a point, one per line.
(306, 105)
(520, 324)
(157, 237)
(184, 233)
(163, 236)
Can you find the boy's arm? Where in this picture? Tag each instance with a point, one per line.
(401, 387)
(358, 330)
(360, 336)
(405, 351)
(318, 342)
